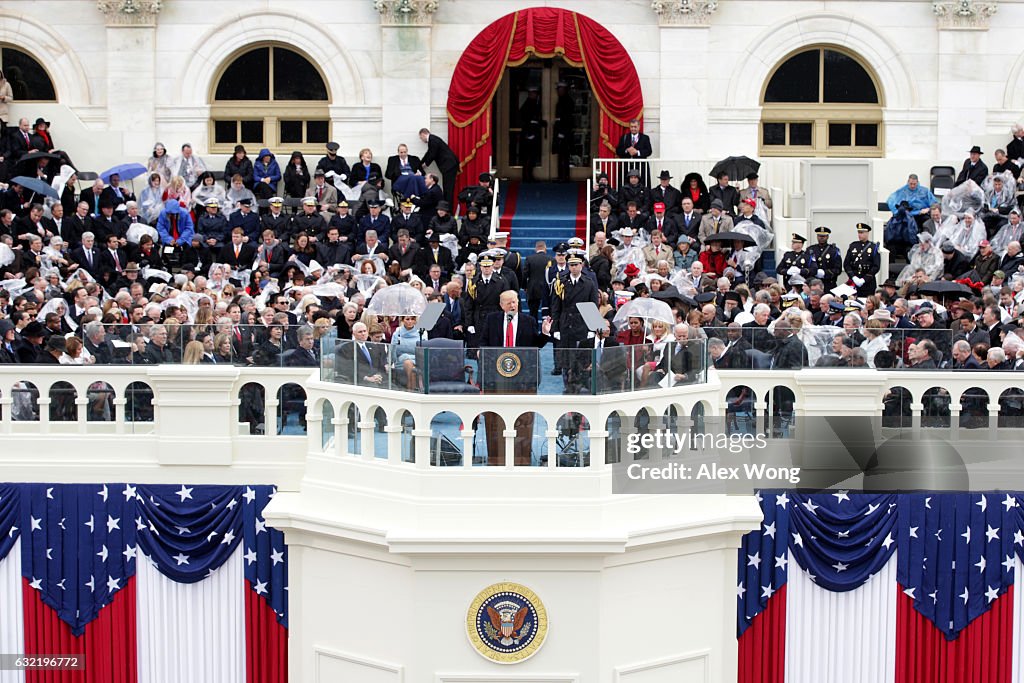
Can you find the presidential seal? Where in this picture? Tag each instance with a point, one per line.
(506, 623)
(508, 364)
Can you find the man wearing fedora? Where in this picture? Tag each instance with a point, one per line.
(974, 168)
(666, 194)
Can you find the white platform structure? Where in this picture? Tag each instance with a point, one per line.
(386, 555)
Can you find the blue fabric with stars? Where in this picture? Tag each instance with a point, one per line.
(81, 542)
(955, 549)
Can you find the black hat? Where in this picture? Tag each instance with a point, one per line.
(485, 177)
(434, 237)
(863, 227)
(56, 342)
(705, 297)
(633, 173)
(752, 176)
(373, 203)
(443, 205)
(732, 296)
(822, 230)
(602, 176)
(245, 201)
(717, 204)
(798, 238)
(474, 208)
(239, 148)
(108, 204)
(889, 283)
(41, 120)
(318, 172)
(561, 248)
(975, 150)
(665, 175)
(33, 329)
(333, 146)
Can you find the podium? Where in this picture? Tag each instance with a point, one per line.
(513, 370)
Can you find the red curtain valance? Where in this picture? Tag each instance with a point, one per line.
(538, 32)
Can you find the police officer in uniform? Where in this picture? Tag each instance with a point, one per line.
(483, 297)
(568, 327)
(565, 122)
(826, 261)
(863, 261)
(533, 125)
(796, 258)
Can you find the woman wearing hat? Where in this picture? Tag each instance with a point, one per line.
(239, 164)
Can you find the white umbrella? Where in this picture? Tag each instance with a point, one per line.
(647, 308)
(398, 300)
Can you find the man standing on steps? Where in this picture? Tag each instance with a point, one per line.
(565, 123)
(535, 275)
(440, 153)
(533, 125)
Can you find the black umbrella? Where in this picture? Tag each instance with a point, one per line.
(735, 167)
(945, 288)
(671, 295)
(731, 236)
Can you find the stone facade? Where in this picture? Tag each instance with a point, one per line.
(128, 72)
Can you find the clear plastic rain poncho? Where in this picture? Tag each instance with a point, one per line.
(137, 230)
(397, 300)
(1008, 233)
(965, 234)
(625, 256)
(963, 198)
(925, 254)
(746, 258)
(1005, 198)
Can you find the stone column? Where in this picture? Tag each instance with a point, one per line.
(405, 63)
(962, 92)
(684, 34)
(131, 70)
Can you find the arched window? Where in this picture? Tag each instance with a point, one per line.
(29, 80)
(270, 96)
(822, 101)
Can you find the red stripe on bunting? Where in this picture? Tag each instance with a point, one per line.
(982, 652)
(108, 644)
(266, 641)
(762, 647)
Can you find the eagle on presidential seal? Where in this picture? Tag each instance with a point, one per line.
(508, 623)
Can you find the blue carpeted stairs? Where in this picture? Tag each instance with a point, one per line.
(543, 211)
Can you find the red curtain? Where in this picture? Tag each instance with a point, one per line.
(762, 647)
(982, 652)
(538, 32)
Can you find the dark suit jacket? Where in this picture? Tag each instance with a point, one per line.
(359, 171)
(89, 198)
(16, 145)
(350, 359)
(111, 196)
(78, 256)
(406, 260)
(729, 195)
(977, 174)
(643, 147)
(440, 153)
(425, 259)
(72, 229)
(246, 256)
(108, 269)
(526, 332)
(534, 272)
(393, 170)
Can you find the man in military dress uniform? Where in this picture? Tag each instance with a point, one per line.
(565, 122)
(483, 297)
(532, 123)
(568, 327)
(863, 261)
(797, 258)
(826, 261)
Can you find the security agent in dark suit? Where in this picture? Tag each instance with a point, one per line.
(534, 271)
(360, 362)
(635, 145)
(974, 168)
(440, 153)
(568, 326)
(611, 364)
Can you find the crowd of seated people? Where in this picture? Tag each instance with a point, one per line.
(258, 267)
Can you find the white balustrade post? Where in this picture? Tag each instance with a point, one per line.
(120, 406)
(340, 436)
(598, 448)
(44, 415)
(551, 435)
(510, 448)
(423, 453)
(196, 414)
(366, 445)
(314, 433)
(394, 433)
(6, 406)
(468, 436)
(270, 404)
(82, 413)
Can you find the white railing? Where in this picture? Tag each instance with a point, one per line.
(495, 218)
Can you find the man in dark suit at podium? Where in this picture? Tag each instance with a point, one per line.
(510, 329)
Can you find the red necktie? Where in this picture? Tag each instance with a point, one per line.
(510, 335)
(117, 262)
